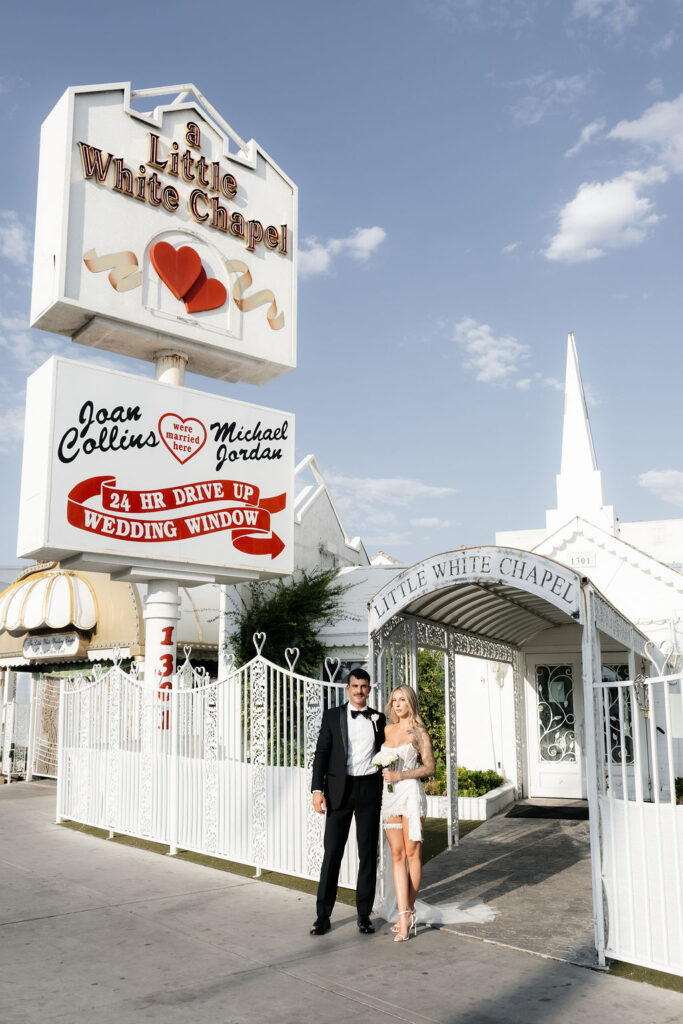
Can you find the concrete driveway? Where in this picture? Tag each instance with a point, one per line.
(536, 872)
(92, 931)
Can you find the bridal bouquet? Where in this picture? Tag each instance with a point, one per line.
(385, 759)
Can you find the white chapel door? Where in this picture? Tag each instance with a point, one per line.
(555, 727)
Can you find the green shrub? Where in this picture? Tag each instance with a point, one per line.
(291, 612)
(679, 790)
(471, 781)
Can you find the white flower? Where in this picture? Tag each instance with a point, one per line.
(384, 758)
(374, 718)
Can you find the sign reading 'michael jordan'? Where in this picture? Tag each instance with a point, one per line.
(164, 227)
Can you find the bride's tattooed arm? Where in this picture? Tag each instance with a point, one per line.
(422, 743)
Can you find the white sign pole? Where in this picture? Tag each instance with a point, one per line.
(162, 604)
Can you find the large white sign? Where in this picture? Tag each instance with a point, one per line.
(120, 471)
(164, 226)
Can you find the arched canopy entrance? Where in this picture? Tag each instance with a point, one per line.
(519, 608)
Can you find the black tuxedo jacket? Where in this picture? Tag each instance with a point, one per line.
(329, 763)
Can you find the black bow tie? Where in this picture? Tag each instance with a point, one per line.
(366, 712)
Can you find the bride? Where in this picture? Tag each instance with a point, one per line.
(404, 808)
(404, 804)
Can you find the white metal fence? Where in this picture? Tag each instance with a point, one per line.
(641, 822)
(217, 767)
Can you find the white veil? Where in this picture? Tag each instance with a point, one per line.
(469, 911)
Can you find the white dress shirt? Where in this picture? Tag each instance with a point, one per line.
(361, 744)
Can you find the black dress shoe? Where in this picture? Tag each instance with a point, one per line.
(365, 926)
(321, 925)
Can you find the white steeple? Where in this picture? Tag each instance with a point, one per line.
(579, 484)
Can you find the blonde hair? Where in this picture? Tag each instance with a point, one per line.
(411, 698)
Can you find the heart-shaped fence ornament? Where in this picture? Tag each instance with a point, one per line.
(259, 642)
(292, 656)
(332, 672)
(187, 651)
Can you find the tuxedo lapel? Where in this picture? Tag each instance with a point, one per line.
(344, 729)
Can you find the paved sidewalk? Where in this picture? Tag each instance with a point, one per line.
(92, 931)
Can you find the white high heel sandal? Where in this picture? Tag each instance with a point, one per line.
(404, 938)
(394, 927)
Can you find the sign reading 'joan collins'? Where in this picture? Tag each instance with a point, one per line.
(120, 470)
(164, 229)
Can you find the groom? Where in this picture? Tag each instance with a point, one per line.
(346, 784)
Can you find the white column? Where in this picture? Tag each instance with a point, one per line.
(162, 605)
(161, 615)
(590, 656)
(170, 367)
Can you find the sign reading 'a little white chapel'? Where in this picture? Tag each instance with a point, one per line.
(164, 227)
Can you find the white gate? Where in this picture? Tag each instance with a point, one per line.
(42, 748)
(14, 728)
(217, 767)
(641, 822)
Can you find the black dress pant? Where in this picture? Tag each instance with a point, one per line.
(362, 801)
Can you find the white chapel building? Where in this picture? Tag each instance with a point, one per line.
(636, 566)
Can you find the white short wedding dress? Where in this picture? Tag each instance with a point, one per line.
(409, 801)
(408, 797)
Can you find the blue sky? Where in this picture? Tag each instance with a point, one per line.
(475, 179)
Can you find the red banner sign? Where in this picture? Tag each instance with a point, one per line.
(244, 514)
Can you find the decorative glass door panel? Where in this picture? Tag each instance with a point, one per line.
(554, 702)
(555, 710)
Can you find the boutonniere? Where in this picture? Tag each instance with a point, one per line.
(374, 719)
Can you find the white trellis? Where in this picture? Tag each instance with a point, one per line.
(220, 767)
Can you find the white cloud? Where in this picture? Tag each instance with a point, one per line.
(316, 257)
(15, 245)
(655, 86)
(494, 359)
(432, 522)
(510, 15)
(605, 215)
(11, 427)
(666, 484)
(314, 260)
(370, 504)
(372, 491)
(587, 133)
(509, 248)
(665, 43)
(553, 382)
(659, 130)
(547, 94)
(615, 15)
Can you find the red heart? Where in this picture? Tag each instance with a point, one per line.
(183, 438)
(177, 268)
(205, 293)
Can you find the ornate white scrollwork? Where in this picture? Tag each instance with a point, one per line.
(210, 695)
(258, 708)
(313, 714)
(610, 622)
(259, 640)
(85, 710)
(148, 720)
(113, 693)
